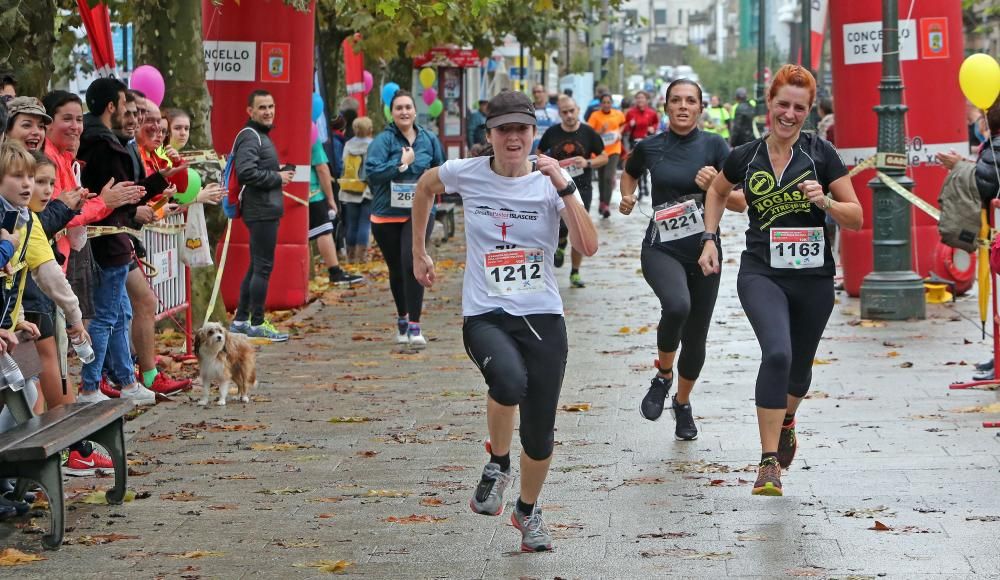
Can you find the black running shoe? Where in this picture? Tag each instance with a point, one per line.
(652, 404)
(685, 430)
(559, 257)
(986, 365)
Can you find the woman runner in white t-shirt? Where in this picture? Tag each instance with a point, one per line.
(514, 329)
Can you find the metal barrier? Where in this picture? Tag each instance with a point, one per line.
(172, 283)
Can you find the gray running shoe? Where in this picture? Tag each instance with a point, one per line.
(535, 536)
(268, 331)
(488, 499)
(240, 326)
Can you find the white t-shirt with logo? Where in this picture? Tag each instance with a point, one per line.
(511, 232)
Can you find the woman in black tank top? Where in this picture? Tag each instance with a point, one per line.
(682, 162)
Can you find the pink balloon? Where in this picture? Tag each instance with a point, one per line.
(148, 80)
(369, 81)
(313, 134)
(429, 96)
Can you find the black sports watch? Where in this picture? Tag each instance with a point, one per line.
(709, 237)
(570, 189)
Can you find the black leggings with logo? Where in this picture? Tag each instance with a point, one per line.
(788, 315)
(523, 359)
(687, 299)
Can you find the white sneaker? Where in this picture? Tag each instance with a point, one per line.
(418, 341)
(402, 338)
(95, 396)
(140, 394)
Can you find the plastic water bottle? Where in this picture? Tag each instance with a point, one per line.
(11, 372)
(84, 350)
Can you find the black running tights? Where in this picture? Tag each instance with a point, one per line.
(523, 359)
(395, 240)
(687, 299)
(788, 315)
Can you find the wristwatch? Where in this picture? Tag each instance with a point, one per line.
(709, 237)
(588, 164)
(570, 189)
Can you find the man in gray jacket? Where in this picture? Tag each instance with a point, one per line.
(262, 206)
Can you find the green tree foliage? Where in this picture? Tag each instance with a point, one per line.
(26, 47)
(723, 78)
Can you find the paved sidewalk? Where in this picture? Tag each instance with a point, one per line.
(275, 489)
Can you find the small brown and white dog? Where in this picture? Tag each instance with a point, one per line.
(226, 358)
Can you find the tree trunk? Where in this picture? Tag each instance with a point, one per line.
(30, 38)
(176, 51)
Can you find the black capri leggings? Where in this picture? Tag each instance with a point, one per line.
(523, 359)
(395, 240)
(788, 315)
(687, 299)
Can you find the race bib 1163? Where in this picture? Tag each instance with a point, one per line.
(797, 248)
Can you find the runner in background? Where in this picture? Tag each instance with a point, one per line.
(579, 149)
(641, 121)
(608, 122)
(793, 181)
(513, 327)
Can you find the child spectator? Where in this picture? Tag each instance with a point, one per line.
(355, 196)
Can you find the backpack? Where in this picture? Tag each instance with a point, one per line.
(354, 176)
(231, 183)
(960, 208)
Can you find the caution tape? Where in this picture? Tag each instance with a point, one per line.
(218, 273)
(99, 231)
(866, 164)
(909, 196)
(304, 202)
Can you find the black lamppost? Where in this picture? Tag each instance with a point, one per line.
(892, 291)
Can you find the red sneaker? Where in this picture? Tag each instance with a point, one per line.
(165, 385)
(109, 389)
(81, 466)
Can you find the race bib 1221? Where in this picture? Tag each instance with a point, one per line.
(679, 220)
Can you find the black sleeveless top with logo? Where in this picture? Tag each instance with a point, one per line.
(786, 234)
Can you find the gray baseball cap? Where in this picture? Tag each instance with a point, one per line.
(510, 107)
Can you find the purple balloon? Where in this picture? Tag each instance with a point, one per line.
(148, 80)
(429, 96)
(313, 134)
(369, 81)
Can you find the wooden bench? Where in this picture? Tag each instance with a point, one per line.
(32, 451)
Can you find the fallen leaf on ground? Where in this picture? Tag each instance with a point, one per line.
(234, 427)
(327, 499)
(237, 476)
(223, 506)
(350, 419)
(415, 519)
(303, 544)
(279, 446)
(329, 566)
(210, 461)
(661, 535)
(991, 408)
(386, 493)
(983, 519)
(324, 516)
(868, 512)
(687, 554)
(99, 539)
(431, 501)
(880, 527)
(194, 554)
(283, 491)
(366, 453)
(821, 361)
(624, 330)
(13, 557)
(98, 497)
(180, 496)
(906, 365)
(892, 354)
(576, 407)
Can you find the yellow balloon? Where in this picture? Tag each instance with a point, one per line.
(979, 78)
(427, 77)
